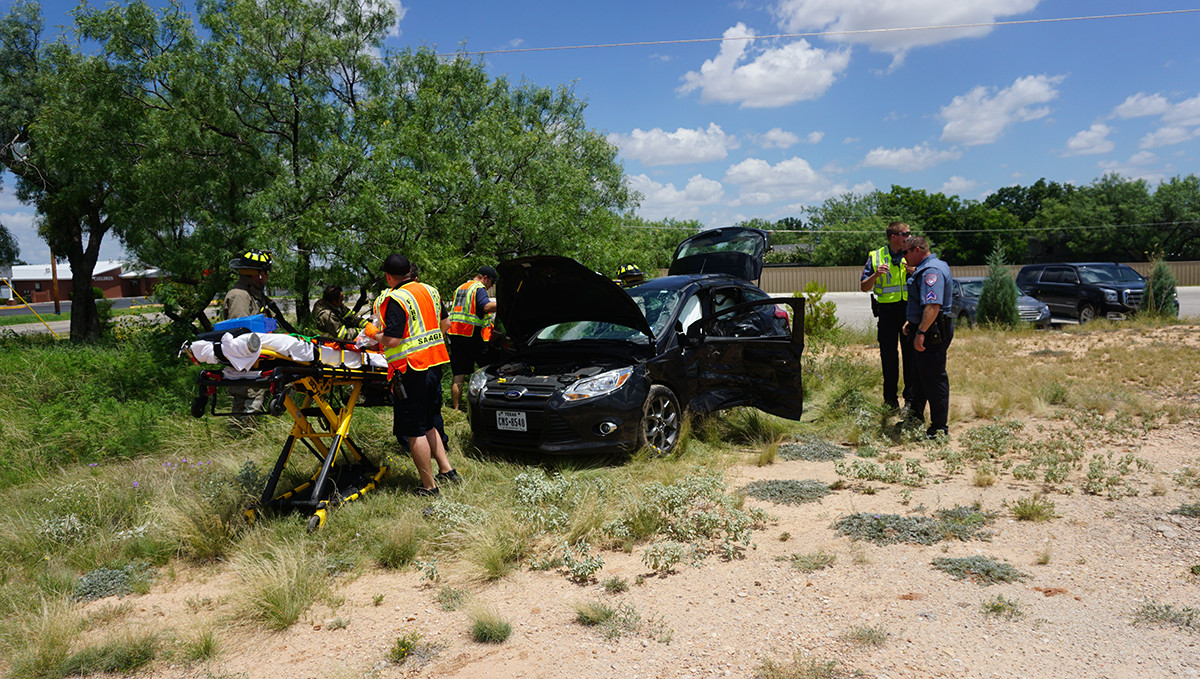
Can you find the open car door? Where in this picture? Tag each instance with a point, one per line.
(736, 251)
(749, 355)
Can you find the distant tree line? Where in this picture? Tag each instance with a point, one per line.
(1111, 219)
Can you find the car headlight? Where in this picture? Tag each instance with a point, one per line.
(1110, 296)
(477, 383)
(604, 383)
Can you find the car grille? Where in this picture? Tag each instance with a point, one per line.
(536, 394)
(1029, 314)
(1133, 298)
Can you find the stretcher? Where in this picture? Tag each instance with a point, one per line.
(308, 379)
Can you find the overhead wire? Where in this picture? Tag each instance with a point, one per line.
(817, 34)
(821, 232)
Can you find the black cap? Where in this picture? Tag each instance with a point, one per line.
(397, 265)
(489, 271)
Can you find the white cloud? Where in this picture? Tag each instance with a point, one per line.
(956, 186)
(664, 200)
(777, 138)
(659, 147)
(1141, 104)
(1186, 113)
(22, 225)
(1092, 140)
(980, 117)
(664, 58)
(792, 179)
(857, 15)
(1166, 136)
(815, 137)
(919, 157)
(1143, 158)
(765, 78)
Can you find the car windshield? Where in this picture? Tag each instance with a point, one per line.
(971, 288)
(1127, 275)
(746, 244)
(1089, 274)
(657, 305)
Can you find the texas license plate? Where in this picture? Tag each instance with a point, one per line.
(509, 420)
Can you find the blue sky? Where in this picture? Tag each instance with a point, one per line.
(721, 131)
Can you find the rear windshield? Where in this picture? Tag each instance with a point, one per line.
(747, 244)
(971, 288)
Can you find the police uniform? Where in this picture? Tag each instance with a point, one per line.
(891, 302)
(930, 284)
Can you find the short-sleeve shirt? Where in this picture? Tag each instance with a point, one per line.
(897, 259)
(929, 284)
(395, 318)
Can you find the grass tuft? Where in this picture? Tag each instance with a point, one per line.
(488, 627)
(808, 563)
(865, 635)
(280, 584)
(1033, 508)
(798, 667)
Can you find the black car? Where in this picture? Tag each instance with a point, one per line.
(1084, 291)
(966, 303)
(598, 369)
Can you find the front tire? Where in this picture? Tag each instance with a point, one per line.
(1087, 313)
(662, 421)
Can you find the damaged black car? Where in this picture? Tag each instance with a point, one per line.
(595, 368)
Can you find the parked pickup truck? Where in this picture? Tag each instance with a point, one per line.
(1084, 291)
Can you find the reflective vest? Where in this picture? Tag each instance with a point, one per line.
(464, 317)
(888, 288)
(489, 322)
(422, 345)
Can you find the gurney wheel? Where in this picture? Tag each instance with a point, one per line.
(314, 523)
(198, 405)
(276, 406)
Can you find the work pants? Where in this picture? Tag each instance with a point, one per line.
(932, 384)
(891, 320)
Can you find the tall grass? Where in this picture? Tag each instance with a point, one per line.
(279, 582)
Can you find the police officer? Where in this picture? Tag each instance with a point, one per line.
(930, 328)
(883, 276)
(248, 297)
(411, 338)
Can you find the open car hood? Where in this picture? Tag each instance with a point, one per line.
(539, 291)
(735, 250)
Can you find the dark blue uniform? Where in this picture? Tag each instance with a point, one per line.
(930, 284)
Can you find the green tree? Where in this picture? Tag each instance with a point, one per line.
(10, 249)
(1160, 296)
(71, 141)
(998, 298)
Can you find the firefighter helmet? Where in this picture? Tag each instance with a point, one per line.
(252, 259)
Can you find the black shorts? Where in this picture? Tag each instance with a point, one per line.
(465, 353)
(421, 408)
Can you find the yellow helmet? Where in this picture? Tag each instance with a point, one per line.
(252, 259)
(630, 271)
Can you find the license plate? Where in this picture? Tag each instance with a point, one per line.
(509, 420)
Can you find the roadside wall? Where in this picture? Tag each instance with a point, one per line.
(782, 279)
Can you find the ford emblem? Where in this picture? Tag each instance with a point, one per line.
(514, 394)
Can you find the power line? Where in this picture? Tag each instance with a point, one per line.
(815, 34)
(822, 232)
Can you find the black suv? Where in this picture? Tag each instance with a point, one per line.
(1084, 291)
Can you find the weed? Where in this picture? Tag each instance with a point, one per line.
(1043, 557)
(377, 600)
(785, 536)
(908, 472)
(451, 599)
(1033, 508)
(404, 647)
(808, 563)
(615, 585)
(338, 623)
(124, 654)
(429, 570)
(1001, 607)
(202, 647)
(663, 557)
(985, 476)
(812, 449)
(979, 569)
(399, 545)
(593, 613)
(1183, 617)
(280, 584)
(1191, 509)
(798, 667)
(865, 635)
(992, 441)
(580, 562)
(488, 627)
(961, 523)
(786, 492)
(104, 582)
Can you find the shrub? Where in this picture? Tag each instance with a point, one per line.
(998, 298)
(809, 563)
(961, 523)
(819, 316)
(787, 492)
(979, 569)
(1159, 298)
(1183, 617)
(1033, 508)
(812, 449)
(1000, 607)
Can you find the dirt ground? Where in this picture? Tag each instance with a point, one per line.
(1103, 560)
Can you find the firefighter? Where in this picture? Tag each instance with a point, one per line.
(248, 297)
(471, 317)
(333, 318)
(629, 275)
(410, 335)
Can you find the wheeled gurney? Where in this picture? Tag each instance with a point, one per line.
(287, 365)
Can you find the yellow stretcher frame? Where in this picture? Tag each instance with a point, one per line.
(344, 472)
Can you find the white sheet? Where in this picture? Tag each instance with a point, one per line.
(244, 350)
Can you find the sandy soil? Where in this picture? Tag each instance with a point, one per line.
(1106, 559)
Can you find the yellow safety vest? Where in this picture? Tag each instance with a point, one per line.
(889, 288)
(464, 317)
(422, 345)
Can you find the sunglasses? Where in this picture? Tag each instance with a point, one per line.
(906, 234)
